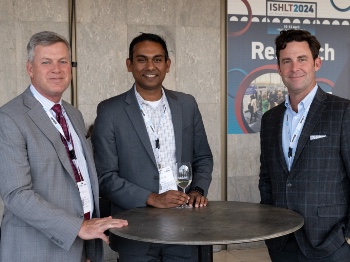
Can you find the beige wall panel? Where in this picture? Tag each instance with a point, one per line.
(202, 13)
(243, 163)
(7, 11)
(101, 53)
(8, 76)
(151, 12)
(41, 10)
(198, 63)
(102, 72)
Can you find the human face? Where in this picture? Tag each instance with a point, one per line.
(50, 70)
(149, 66)
(298, 69)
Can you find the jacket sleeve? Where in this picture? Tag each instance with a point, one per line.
(202, 163)
(265, 185)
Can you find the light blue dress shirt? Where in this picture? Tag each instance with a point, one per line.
(291, 120)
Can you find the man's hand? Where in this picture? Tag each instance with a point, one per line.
(94, 228)
(171, 198)
(197, 200)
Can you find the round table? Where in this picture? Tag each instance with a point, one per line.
(220, 222)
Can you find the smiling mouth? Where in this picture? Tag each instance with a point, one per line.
(296, 77)
(150, 75)
(56, 79)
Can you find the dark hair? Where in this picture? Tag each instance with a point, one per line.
(45, 38)
(287, 36)
(148, 37)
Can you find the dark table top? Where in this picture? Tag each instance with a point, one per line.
(220, 222)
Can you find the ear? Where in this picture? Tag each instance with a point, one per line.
(318, 63)
(168, 63)
(128, 65)
(29, 67)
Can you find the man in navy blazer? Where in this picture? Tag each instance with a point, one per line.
(305, 157)
(138, 135)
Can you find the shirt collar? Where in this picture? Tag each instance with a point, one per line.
(305, 103)
(46, 103)
(142, 101)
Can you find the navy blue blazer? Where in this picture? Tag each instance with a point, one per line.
(318, 184)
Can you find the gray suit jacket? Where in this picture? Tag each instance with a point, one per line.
(43, 210)
(318, 184)
(124, 159)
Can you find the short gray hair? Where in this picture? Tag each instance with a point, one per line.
(45, 38)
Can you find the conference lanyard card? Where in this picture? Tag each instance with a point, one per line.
(85, 197)
(166, 180)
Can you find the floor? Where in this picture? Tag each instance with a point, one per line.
(243, 255)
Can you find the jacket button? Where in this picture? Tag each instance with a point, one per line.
(81, 215)
(289, 185)
(156, 178)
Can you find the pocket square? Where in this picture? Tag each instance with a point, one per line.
(317, 137)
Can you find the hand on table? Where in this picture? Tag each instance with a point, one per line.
(171, 198)
(197, 199)
(94, 228)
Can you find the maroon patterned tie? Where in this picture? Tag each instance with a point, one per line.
(71, 155)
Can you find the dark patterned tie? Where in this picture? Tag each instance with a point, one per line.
(71, 155)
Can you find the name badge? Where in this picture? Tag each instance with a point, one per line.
(166, 180)
(85, 197)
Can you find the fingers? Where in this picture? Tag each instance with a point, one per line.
(197, 200)
(94, 228)
(105, 238)
(177, 198)
(106, 223)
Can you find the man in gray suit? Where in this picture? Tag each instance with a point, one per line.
(139, 136)
(305, 157)
(48, 180)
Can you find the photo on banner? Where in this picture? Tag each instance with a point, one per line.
(253, 83)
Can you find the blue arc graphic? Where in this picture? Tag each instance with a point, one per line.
(340, 9)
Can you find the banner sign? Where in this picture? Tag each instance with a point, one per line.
(253, 83)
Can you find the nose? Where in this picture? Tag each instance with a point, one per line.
(56, 67)
(150, 64)
(294, 66)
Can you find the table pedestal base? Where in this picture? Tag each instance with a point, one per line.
(205, 253)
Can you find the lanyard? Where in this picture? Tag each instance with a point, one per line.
(296, 133)
(149, 123)
(60, 130)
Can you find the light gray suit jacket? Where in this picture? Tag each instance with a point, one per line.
(43, 210)
(125, 161)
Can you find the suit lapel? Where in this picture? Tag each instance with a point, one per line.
(176, 114)
(279, 130)
(133, 110)
(42, 121)
(312, 118)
